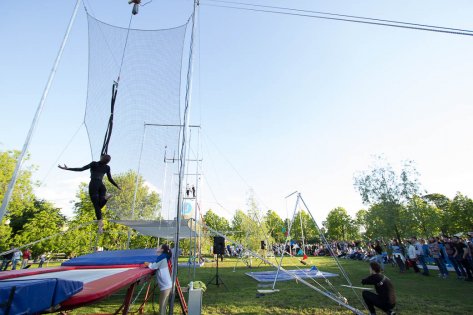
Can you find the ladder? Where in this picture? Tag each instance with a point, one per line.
(185, 311)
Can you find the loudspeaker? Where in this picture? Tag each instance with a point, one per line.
(219, 245)
(263, 245)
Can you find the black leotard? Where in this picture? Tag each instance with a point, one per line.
(97, 171)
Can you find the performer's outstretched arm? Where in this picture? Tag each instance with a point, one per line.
(75, 169)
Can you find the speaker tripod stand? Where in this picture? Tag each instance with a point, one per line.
(218, 279)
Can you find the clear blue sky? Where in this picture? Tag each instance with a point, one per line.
(290, 103)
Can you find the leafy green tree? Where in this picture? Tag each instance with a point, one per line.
(216, 222)
(360, 219)
(22, 196)
(308, 228)
(460, 214)
(340, 226)
(238, 221)
(81, 237)
(426, 218)
(275, 225)
(18, 220)
(5, 235)
(147, 204)
(443, 204)
(382, 186)
(255, 228)
(45, 221)
(376, 227)
(29, 219)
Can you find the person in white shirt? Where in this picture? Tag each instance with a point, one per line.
(42, 259)
(16, 258)
(412, 256)
(163, 277)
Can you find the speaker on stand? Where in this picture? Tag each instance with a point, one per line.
(219, 250)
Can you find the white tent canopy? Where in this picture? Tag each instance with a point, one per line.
(159, 228)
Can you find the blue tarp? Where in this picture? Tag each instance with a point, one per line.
(115, 257)
(33, 296)
(269, 276)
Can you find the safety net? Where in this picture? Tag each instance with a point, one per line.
(144, 68)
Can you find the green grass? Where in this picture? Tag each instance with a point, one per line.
(416, 294)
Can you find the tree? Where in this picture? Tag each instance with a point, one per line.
(388, 190)
(308, 229)
(216, 222)
(426, 218)
(443, 205)
(28, 219)
(5, 235)
(22, 196)
(340, 226)
(19, 219)
(81, 235)
(275, 225)
(361, 221)
(376, 226)
(255, 228)
(461, 214)
(147, 204)
(45, 220)
(238, 221)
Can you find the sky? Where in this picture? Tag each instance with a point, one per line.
(285, 103)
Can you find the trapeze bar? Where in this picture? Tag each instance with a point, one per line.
(167, 125)
(188, 160)
(189, 174)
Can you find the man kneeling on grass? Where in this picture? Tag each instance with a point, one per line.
(385, 299)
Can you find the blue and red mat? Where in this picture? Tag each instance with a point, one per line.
(79, 281)
(269, 276)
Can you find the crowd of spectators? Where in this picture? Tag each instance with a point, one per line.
(442, 253)
(15, 258)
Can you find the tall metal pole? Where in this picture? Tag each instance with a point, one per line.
(182, 164)
(195, 203)
(302, 234)
(289, 227)
(164, 188)
(136, 186)
(39, 109)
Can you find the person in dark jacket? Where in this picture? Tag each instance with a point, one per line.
(7, 259)
(385, 297)
(97, 191)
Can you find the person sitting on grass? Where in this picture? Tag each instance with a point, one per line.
(385, 299)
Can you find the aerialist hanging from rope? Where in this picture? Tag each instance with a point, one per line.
(97, 191)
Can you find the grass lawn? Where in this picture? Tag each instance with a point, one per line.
(416, 294)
